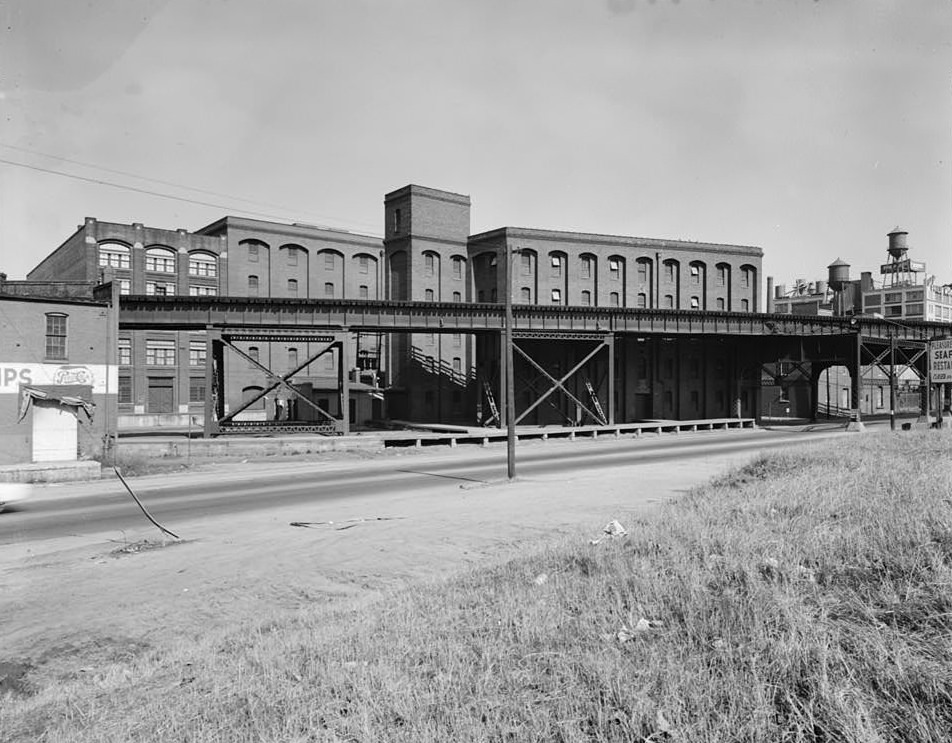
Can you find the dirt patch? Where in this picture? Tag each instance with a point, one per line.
(13, 678)
(144, 545)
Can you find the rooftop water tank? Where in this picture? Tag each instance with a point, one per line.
(897, 243)
(839, 275)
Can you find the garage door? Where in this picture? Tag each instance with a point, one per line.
(160, 394)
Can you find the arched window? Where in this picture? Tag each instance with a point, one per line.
(292, 358)
(748, 276)
(249, 393)
(720, 303)
(428, 295)
(615, 264)
(587, 266)
(613, 299)
(114, 255)
(458, 263)
(669, 301)
(525, 295)
(329, 289)
(698, 269)
(527, 260)
(644, 270)
(254, 250)
(160, 260)
(398, 275)
(723, 274)
(671, 270)
(557, 259)
(252, 286)
(695, 303)
(364, 271)
(204, 265)
(292, 287)
(642, 300)
(586, 298)
(431, 263)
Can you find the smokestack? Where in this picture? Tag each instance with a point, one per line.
(770, 294)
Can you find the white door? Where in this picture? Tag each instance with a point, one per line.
(54, 434)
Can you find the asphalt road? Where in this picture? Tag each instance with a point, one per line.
(88, 508)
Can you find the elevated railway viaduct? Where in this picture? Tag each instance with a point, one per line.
(602, 365)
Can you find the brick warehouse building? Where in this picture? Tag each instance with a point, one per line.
(654, 379)
(426, 254)
(162, 373)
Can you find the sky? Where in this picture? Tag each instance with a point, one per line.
(809, 128)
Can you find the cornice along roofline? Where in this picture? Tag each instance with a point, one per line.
(292, 231)
(433, 193)
(613, 240)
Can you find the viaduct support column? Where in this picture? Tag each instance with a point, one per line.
(344, 338)
(214, 382)
(610, 342)
(503, 382)
(856, 375)
(737, 408)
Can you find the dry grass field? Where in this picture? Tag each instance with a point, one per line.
(804, 597)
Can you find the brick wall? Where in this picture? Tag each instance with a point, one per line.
(579, 269)
(24, 360)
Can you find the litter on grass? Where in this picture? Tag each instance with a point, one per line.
(641, 627)
(613, 530)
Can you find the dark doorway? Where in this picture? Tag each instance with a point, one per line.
(161, 395)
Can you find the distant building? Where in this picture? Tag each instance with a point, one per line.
(904, 291)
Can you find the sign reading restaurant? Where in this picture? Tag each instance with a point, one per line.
(940, 358)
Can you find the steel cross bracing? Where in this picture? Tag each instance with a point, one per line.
(217, 421)
(559, 384)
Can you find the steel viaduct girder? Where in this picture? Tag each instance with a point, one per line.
(200, 313)
(758, 337)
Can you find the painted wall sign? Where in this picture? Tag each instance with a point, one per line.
(15, 374)
(940, 357)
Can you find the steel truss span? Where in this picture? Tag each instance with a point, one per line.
(283, 315)
(767, 344)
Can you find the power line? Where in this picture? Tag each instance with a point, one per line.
(136, 176)
(148, 192)
(154, 180)
(101, 182)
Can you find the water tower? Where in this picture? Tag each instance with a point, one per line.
(898, 246)
(900, 270)
(839, 280)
